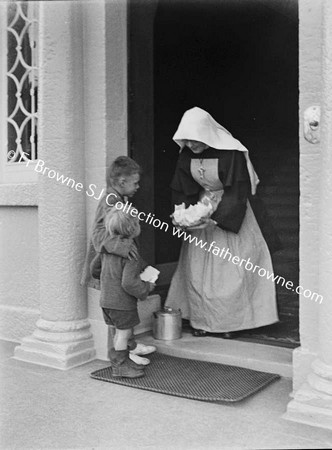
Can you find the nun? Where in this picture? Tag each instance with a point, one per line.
(222, 286)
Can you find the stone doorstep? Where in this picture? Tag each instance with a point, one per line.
(254, 356)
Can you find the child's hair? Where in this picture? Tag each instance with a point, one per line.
(121, 166)
(118, 222)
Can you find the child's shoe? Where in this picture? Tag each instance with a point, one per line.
(142, 349)
(139, 360)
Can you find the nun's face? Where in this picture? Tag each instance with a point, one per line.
(195, 146)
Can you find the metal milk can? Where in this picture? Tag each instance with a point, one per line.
(167, 324)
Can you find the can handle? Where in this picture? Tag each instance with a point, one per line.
(170, 309)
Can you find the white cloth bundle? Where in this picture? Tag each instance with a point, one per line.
(193, 215)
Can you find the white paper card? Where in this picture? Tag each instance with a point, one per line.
(150, 274)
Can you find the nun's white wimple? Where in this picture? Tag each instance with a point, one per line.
(198, 125)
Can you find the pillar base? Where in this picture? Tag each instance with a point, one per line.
(302, 361)
(312, 403)
(60, 345)
(304, 411)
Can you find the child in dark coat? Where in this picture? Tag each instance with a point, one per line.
(123, 177)
(121, 287)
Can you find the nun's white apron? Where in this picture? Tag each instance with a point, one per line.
(215, 293)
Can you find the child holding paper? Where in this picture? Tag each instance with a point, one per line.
(121, 287)
(123, 177)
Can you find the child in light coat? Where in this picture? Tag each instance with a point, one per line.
(121, 288)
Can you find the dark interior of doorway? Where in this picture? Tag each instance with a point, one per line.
(237, 59)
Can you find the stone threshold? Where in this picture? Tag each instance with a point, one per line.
(266, 358)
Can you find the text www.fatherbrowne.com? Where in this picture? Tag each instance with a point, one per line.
(248, 265)
(150, 219)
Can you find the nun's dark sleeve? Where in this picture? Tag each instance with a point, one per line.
(234, 175)
(184, 187)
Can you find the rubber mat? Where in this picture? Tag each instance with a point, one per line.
(198, 380)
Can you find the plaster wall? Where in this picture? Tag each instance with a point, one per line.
(310, 86)
(105, 100)
(325, 220)
(19, 275)
(94, 103)
(94, 43)
(105, 93)
(116, 79)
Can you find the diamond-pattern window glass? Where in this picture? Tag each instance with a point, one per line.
(22, 80)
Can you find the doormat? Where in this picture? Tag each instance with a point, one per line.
(197, 380)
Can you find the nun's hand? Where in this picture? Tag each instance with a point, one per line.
(177, 226)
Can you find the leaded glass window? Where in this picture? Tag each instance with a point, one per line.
(22, 81)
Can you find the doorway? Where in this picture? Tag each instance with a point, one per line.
(238, 60)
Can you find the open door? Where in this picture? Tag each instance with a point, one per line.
(239, 61)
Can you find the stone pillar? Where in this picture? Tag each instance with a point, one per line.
(62, 338)
(312, 402)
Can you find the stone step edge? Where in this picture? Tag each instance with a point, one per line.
(265, 358)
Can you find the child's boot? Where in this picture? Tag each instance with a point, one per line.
(135, 364)
(122, 366)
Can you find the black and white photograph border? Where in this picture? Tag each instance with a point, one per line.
(129, 320)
